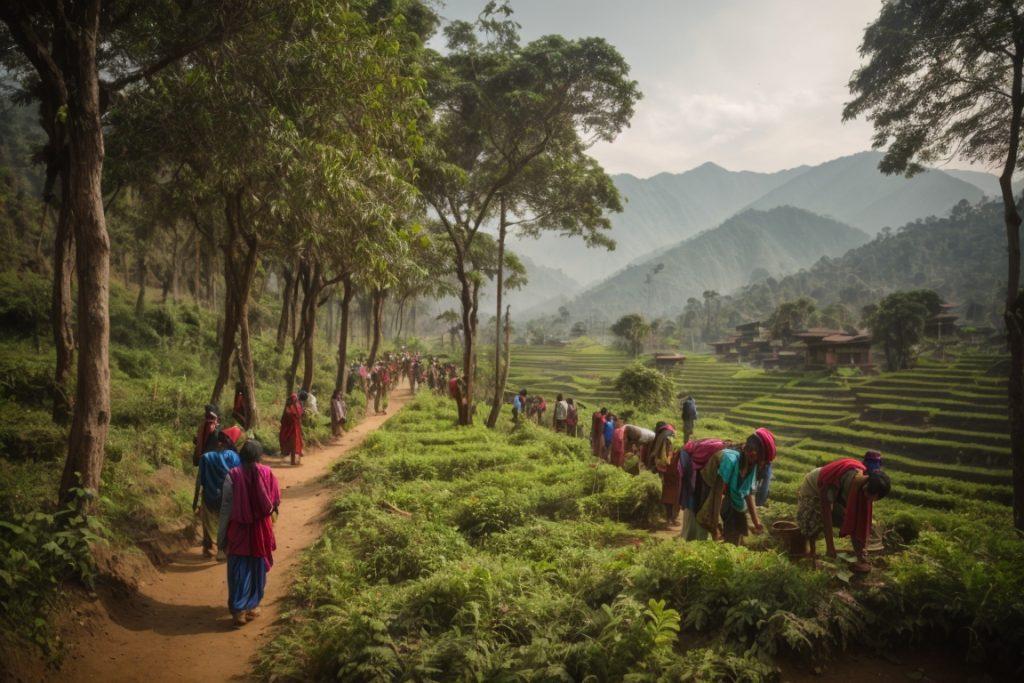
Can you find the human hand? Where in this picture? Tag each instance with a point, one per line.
(716, 534)
(758, 528)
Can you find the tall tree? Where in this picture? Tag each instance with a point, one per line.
(632, 329)
(498, 107)
(945, 78)
(85, 55)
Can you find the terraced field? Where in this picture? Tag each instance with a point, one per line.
(941, 426)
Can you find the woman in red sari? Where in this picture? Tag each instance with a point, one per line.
(249, 502)
(290, 436)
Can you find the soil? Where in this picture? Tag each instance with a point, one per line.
(175, 626)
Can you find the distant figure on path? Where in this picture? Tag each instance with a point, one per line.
(572, 419)
(666, 463)
(841, 494)
(561, 413)
(250, 500)
(339, 412)
(239, 410)
(597, 432)
(540, 406)
(309, 403)
(688, 408)
(609, 433)
(290, 436)
(518, 406)
(213, 467)
(206, 437)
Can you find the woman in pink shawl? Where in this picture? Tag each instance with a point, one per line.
(249, 501)
(290, 436)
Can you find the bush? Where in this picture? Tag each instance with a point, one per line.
(644, 387)
(136, 363)
(24, 302)
(29, 434)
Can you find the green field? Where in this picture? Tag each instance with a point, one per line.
(941, 426)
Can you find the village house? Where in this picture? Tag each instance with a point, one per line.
(828, 348)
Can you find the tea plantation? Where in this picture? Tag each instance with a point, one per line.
(941, 426)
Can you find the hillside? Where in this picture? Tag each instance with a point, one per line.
(754, 242)
(667, 208)
(851, 189)
(962, 257)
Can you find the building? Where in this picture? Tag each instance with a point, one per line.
(943, 324)
(827, 348)
(666, 362)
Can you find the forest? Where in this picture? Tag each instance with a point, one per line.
(331, 236)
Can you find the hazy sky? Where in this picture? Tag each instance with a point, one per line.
(748, 84)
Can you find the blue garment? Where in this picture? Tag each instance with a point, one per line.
(736, 488)
(517, 403)
(763, 484)
(609, 431)
(213, 468)
(247, 578)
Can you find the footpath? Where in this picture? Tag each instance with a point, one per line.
(177, 626)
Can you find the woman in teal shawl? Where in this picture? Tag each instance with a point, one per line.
(728, 480)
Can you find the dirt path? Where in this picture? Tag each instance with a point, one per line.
(178, 627)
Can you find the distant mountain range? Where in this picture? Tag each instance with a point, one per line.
(667, 208)
(752, 245)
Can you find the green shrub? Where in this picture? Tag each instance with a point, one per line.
(644, 387)
(490, 510)
(29, 434)
(136, 363)
(24, 302)
(26, 376)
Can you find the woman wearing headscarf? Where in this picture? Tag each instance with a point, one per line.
(290, 436)
(841, 494)
(213, 468)
(206, 436)
(339, 412)
(723, 494)
(618, 445)
(665, 460)
(249, 503)
(239, 409)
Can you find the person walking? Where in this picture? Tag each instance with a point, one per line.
(213, 468)
(609, 433)
(249, 504)
(206, 436)
(688, 408)
(572, 418)
(561, 413)
(518, 406)
(339, 412)
(597, 432)
(290, 435)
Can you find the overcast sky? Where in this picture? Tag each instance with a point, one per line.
(748, 84)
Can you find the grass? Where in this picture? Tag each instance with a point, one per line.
(469, 554)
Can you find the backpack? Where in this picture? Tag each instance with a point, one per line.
(690, 409)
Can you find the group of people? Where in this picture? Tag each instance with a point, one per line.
(237, 500)
(712, 488)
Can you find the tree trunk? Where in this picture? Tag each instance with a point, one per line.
(378, 324)
(499, 386)
(341, 380)
(88, 436)
(140, 301)
(469, 320)
(1014, 310)
(283, 324)
(60, 307)
(245, 365)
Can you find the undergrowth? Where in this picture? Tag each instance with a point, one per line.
(470, 554)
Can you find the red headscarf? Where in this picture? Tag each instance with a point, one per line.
(767, 443)
(857, 520)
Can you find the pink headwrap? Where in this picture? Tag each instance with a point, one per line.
(767, 443)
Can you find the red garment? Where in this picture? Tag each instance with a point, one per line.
(618, 455)
(239, 408)
(290, 436)
(857, 519)
(453, 388)
(767, 442)
(597, 423)
(207, 427)
(701, 451)
(255, 495)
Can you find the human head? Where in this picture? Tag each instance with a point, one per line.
(239, 388)
(251, 452)
(522, 392)
(878, 485)
(873, 461)
(569, 401)
(212, 410)
(559, 398)
(604, 411)
(303, 394)
(293, 398)
(336, 394)
(760, 446)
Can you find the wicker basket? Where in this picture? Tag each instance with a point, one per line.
(787, 533)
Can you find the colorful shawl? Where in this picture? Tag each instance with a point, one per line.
(737, 488)
(618, 455)
(857, 519)
(290, 436)
(255, 495)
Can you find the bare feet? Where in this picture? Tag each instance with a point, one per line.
(238, 619)
(207, 553)
(252, 614)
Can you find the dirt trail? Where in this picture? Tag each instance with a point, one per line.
(177, 628)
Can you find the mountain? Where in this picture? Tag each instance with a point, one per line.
(852, 190)
(961, 256)
(986, 182)
(666, 208)
(660, 210)
(749, 246)
(543, 284)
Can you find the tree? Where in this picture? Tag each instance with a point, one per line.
(897, 322)
(644, 387)
(789, 317)
(86, 55)
(632, 329)
(944, 78)
(710, 297)
(500, 107)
